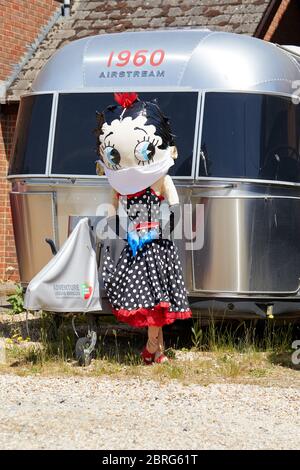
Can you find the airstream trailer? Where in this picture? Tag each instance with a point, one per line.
(232, 100)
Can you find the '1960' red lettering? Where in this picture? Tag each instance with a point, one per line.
(139, 58)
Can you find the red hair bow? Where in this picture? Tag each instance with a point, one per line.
(125, 99)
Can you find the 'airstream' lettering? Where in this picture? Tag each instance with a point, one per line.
(134, 74)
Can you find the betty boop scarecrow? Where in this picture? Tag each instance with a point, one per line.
(146, 288)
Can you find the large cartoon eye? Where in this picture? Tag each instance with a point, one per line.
(111, 157)
(144, 152)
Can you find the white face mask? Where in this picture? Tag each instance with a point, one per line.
(134, 179)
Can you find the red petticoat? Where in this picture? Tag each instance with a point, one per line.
(159, 315)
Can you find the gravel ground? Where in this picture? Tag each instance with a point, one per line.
(107, 413)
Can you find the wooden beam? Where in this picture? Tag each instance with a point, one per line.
(268, 18)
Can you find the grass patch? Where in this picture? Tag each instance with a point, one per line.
(167, 371)
(243, 336)
(205, 368)
(236, 352)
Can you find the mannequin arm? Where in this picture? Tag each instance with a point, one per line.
(169, 191)
(114, 202)
(113, 218)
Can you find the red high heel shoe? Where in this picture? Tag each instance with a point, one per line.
(147, 356)
(160, 358)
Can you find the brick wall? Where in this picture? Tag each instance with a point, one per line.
(20, 23)
(8, 262)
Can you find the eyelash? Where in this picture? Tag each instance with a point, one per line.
(107, 144)
(147, 139)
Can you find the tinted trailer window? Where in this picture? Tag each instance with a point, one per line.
(31, 135)
(246, 135)
(75, 143)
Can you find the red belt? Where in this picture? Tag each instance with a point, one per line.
(146, 225)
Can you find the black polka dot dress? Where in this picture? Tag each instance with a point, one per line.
(146, 289)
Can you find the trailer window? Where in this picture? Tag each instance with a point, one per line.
(75, 143)
(31, 135)
(247, 135)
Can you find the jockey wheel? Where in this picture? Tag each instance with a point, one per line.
(85, 346)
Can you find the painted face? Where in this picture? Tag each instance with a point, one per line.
(130, 143)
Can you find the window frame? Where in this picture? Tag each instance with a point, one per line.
(52, 112)
(200, 179)
(103, 177)
(200, 109)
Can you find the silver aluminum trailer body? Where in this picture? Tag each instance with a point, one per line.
(233, 102)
